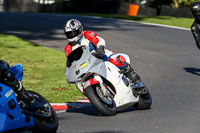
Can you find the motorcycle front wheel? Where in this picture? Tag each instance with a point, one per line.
(44, 124)
(104, 104)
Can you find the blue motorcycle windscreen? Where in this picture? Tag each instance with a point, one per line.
(17, 70)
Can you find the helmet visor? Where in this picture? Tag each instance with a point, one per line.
(72, 34)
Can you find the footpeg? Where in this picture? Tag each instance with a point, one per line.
(138, 89)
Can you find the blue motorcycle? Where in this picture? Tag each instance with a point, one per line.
(14, 115)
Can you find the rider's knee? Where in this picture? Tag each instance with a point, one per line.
(119, 61)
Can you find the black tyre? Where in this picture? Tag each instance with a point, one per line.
(45, 124)
(145, 101)
(97, 101)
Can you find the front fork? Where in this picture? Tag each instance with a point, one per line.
(106, 90)
(103, 88)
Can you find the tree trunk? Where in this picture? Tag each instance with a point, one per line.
(176, 3)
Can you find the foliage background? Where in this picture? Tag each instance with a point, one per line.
(183, 3)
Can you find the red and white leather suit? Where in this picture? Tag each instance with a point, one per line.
(90, 37)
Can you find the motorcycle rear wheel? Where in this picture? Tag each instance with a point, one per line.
(45, 124)
(98, 103)
(145, 101)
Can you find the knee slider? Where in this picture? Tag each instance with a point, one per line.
(121, 59)
(122, 64)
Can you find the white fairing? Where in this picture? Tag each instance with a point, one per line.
(123, 98)
(124, 95)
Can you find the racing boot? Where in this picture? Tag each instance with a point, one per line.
(137, 85)
(125, 68)
(131, 74)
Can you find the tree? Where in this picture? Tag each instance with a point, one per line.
(173, 3)
(183, 3)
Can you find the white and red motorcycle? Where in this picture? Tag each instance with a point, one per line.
(103, 84)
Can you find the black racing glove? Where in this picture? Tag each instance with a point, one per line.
(4, 66)
(100, 52)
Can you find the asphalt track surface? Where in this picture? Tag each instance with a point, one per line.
(166, 58)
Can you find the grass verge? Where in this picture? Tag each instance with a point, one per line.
(44, 68)
(165, 20)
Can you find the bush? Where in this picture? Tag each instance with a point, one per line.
(173, 3)
(183, 3)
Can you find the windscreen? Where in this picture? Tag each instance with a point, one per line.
(74, 56)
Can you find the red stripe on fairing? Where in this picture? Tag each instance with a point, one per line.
(60, 107)
(93, 81)
(100, 67)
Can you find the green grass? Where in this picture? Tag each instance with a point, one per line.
(44, 68)
(166, 20)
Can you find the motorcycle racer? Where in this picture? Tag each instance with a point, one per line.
(195, 28)
(73, 30)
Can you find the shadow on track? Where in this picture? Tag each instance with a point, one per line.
(90, 110)
(195, 71)
(46, 27)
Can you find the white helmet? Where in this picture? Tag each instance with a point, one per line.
(73, 30)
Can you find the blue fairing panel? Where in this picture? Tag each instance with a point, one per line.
(11, 118)
(18, 71)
